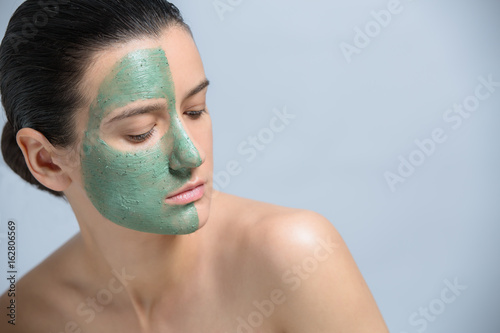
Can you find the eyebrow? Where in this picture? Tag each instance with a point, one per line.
(136, 111)
(197, 89)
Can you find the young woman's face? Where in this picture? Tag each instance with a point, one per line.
(148, 136)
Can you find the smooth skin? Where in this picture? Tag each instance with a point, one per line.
(244, 252)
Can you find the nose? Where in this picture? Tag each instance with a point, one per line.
(184, 154)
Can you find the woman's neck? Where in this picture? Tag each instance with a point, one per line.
(154, 269)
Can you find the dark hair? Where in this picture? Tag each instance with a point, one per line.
(46, 49)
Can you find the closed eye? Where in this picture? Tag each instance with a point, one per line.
(195, 114)
(141, 137)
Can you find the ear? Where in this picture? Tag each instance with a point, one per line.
(39, 155)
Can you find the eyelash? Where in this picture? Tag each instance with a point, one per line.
(195, 114)
(142, 137)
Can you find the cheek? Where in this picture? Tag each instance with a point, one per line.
(119, 182)
(129, 189)
(104, 166)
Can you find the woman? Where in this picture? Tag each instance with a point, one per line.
(106, 107)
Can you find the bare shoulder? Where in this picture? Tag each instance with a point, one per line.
(273, 227)
(274, 238)
(36, 302)
(315, 283)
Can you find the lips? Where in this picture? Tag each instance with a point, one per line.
(187, 194)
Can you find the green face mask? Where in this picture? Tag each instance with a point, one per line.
(129, 188)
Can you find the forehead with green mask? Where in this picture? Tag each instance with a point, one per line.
(129, 187)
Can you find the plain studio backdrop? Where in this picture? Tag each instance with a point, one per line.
(381, 115)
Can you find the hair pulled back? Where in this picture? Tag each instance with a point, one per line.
(45, 51)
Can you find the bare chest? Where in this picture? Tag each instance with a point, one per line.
(208, 316)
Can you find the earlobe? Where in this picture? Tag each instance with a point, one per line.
(39, 155)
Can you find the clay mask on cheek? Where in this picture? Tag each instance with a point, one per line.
(129, 188)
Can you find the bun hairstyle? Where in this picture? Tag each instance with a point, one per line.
(46, 49)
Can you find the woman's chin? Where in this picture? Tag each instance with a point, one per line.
(203, 208)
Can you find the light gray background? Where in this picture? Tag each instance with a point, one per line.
(353, 121)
